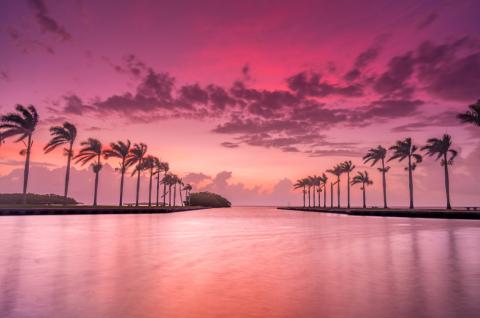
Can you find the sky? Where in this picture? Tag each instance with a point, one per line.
(243, 98)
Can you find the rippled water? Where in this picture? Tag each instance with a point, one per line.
(239, 262)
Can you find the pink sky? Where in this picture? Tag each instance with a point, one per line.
(250, 95)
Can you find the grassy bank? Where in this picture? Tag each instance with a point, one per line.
(415, 213)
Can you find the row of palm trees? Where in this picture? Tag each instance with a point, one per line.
(402, 150)
(22, 124)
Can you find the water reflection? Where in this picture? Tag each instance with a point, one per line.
(239, 262)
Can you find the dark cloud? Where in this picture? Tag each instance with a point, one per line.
(195, 178)
(445, 119)
(427, 21)
(310, 84)
(46, 22)
(394, 81)
(74, 105)
(228, 144)
(25, 44)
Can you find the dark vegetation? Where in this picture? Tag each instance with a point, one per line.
(208, 199)
(38, 199)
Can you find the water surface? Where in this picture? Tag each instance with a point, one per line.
(238, 262)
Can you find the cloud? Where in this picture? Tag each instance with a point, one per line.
(195, 178)
(427, 21)
(310, 84)
(445, 119)
(4, 76)
(228, 144)
(393, 82)
(46, 22)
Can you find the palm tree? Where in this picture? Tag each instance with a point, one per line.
(348, 167)
(119, 150)
(331, 192)
(149, 163)
(166, 167)
(472, 116)
(301, 184)
(188, 188)
(136, 157)
(442, 149)
(309, 186)
(159, 167)
(63, 135)
(168, 180)
(405, 149)
(323, 180)
(374, 155)
(180, 185)
(21, 124)
(362, 177)
(337, 171)
(317, 182)
(92, 149)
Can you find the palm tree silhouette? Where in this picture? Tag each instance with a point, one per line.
(180, 186)
(471, 116)
(91, 149)
(404, 149)
(63, 135)
(136, 157)
(374, 155)
(121, 151)
(308, 181)
(169, 180)
(331, 192)
(166, 168)
(337, 171)
(149, 164)
(323, 180)
(317, 182)
(301, 184)
(348, 167)
(442, 149)
(21, 124)
(363, 178)
(188, 189)
(158, 166)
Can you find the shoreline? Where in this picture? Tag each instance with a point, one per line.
(88, 210)
(395, 212)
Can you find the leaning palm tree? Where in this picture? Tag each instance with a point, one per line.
(363, 178)
(332, 184)
(348, 167)
(337, 171)
(149, 164)
(166, 168)
(442, 149)
(121, 151)
(168, 181)
(21, 124)
(158, 169)
(405, 149)
(188, 188)
(301, 184)
(374, 155)
(323, 180)
(63, 135)
(471, 116)
(91, 149)
(135, 158)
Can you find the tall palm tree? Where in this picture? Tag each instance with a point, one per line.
(363, 178)
(136, 157)
(323, 180)
(91, 149)
(318, 183)
(166, 168)
(180, 186)
(471, 116)
(21, 124)
(63, 135)
(159, 168)
(149, 164)
(121, 151)
(405, 149)
(188, 188)
(332, 184)
(337, 171)
(309, 186)
(301, 184)
(168, 180)
(374, 155)
(348, 167)
(442, 149)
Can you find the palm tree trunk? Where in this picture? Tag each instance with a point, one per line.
(384, 182)
(67, 174)
(348, 190)
(97, 172)
(319, 194)
(364, 197)
(175, 194)
(164, 189)
(169, 195)
(447, 182)
(122, 181)
(26, 169)
(410, 181)
(325, 195)
(181, 198)
(150, 188)
(158, 187)
(331, 195)
(313, 196)
(138, 187)
(338, 191)
(304, 193)
(309, 194)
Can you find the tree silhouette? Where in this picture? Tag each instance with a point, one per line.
(375, 155)
(63, 135)
(21, 124)
(441, 148)
(149, 164)
(91, 149)
(323, 180)
(363, 178)
(337, 171)
(301, 184)
(405, 149)
(135, 158)
(471, 116)
(348, 167)
(119, 150)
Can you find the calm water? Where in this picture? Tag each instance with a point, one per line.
(239, 262)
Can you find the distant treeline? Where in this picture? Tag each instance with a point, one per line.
(208, 199)
(32, 198)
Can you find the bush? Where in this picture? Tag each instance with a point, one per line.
(208, 199)
(16, 198)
